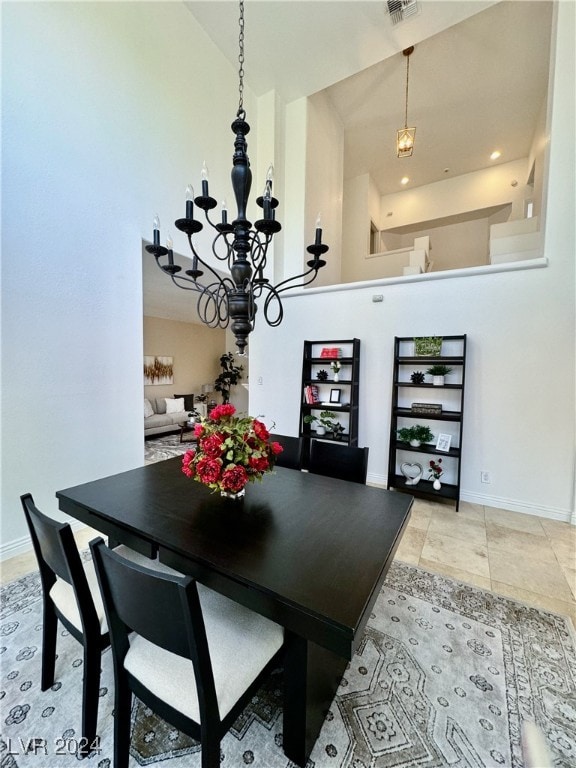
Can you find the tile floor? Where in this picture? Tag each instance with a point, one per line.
(530, 559)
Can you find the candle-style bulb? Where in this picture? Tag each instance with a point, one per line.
(169, 244)
(318, 240)
(267, 200)
(156, 230)
(189, 201)
(224, 212)
(270, 174)
(204, 180)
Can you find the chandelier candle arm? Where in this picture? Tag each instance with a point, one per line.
(243, 247)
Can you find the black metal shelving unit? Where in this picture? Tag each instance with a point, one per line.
(403, 390)
(348, 382)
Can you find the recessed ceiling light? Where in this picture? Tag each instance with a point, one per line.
(495, 155)
(404, 180)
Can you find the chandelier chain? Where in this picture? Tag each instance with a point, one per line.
(241, 112)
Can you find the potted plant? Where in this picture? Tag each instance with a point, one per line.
(230, 376)
(335, 365)
(415, 435)
(438, 372)
(326, 423)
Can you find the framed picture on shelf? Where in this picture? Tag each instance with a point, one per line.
(335, 395)
(427, 346)
(443, 442)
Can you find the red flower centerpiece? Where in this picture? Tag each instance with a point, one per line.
(232, 451)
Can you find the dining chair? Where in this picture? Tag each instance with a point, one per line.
(70, 593)
(192, 655)
(346, 462)
(291, 456)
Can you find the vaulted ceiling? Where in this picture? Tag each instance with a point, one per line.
(478, 75)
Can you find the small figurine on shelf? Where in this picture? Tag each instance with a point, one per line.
(322, 375)
(435, 471)
(335, 365)
(417, 377)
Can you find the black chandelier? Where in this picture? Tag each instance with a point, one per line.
(243, 247)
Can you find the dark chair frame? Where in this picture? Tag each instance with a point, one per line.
(57, 555)
(165, 610)
(291, 456)
(346, 462)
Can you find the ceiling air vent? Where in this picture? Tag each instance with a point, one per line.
(401, 9)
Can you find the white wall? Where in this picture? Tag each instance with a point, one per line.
(356, 215)
(109, 110)
(520, 414)
(324, 182)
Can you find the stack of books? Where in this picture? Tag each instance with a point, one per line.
(432, 408)
(331, 352)
(311, 395)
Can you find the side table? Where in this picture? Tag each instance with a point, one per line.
(186, 427)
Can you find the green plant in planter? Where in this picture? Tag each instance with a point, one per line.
(327, 419)
(418, 433)
(230, 376)
(439, 370)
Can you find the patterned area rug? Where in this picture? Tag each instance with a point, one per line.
(445, 676)
(166, 447)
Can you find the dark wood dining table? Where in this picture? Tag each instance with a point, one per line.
(307, 551)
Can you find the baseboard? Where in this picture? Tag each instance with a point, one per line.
(552, 513)
(23, 545)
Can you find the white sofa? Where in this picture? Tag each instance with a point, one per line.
(163, 414)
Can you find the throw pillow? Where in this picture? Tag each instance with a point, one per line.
(188, 402)
(174, 405)
(160, 406)
(148, 410)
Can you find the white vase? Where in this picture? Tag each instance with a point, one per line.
(415, 443)
(336, 379)
(438, 381)
(436, 484)
(320, 430)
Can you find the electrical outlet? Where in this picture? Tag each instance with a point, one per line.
(485, 477)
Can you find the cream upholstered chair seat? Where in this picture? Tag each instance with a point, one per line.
(239, 640)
